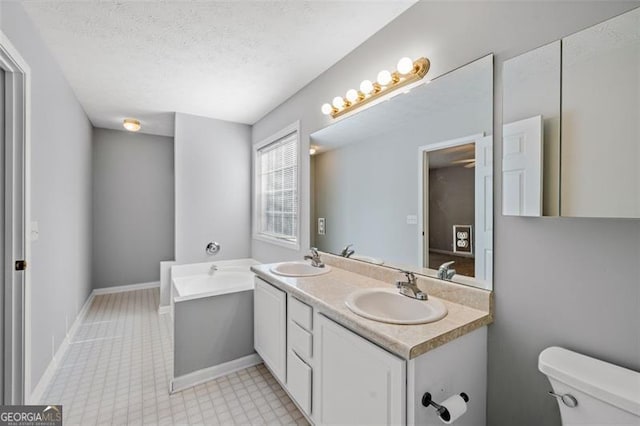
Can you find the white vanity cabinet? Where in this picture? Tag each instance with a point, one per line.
(336, 376)
(300, 353)
(356, 381)
(270, 327)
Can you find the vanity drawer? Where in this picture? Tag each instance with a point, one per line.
(300, 340)
(299, 381)
(301, 313)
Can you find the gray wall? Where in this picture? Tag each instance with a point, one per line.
(61, 193)
(451, 202)
(213, 169)
(550, 274)
(133, 207)
(211, 331)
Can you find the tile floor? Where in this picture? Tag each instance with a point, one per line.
(118, 366)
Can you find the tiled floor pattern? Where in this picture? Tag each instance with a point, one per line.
(118, 366)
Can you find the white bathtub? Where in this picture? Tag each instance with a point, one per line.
(212, 320)
(194, 280)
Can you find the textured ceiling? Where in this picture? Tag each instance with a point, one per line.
(233, 61)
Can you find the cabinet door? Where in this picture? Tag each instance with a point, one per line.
(270, 328)
(357, 382)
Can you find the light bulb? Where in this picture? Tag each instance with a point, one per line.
(131, 124)
(312, 151)
(326, 109)
(366, 87)
(405, 65)
(352, 95)
(338, 102)
(384, 77)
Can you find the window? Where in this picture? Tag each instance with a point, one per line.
(276, 189)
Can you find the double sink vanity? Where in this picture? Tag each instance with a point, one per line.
(350, 349)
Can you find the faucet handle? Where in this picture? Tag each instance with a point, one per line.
(411, 277)
(314, 252)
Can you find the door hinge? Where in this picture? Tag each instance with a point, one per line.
(21, 265)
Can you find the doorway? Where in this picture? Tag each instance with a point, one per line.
(456, 207)
(16, 291)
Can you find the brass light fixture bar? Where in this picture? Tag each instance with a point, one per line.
(407, 72)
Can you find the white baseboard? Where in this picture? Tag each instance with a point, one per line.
(130, 287)
(197, 377)
(47, 376)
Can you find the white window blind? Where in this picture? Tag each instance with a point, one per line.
(277, 165)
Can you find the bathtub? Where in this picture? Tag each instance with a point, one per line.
(194, 280)
(212, 321)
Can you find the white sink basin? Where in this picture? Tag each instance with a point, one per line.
(299, 269)
(387, 305)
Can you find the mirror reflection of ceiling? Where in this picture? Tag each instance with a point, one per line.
(456, 156)
(464, 86)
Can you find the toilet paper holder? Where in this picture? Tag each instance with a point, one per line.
(443, 412)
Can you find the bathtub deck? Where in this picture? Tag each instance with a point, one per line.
(118, 367)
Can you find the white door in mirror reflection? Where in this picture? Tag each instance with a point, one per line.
(522, 167)
(484, 209)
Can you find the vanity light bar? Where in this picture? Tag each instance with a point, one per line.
(407, 72)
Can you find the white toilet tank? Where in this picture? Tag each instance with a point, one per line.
(606, 394)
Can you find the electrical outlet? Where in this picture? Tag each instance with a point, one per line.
(412, 219)
(321, 228)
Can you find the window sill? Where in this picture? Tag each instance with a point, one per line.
(278, 242)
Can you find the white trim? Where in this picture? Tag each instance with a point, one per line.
(130, 287)
(20, 124)
(291, 128)
(200, 376)
(47, 376)
(164, 309)
(422, 230)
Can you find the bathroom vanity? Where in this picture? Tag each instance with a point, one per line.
(339, 367)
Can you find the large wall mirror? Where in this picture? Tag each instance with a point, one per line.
(571, 132)
(408, 182)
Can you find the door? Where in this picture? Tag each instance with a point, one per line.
(522, 167)
(484, 209)
(358, 383)
(2, 145)
(270, 327)
(16, 204)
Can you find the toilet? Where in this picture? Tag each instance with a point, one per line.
(590, 391)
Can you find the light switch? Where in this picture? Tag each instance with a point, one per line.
(321, 226)
(412, 219)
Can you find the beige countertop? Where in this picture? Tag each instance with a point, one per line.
(327, 294)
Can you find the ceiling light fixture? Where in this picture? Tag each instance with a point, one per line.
(408, 71)
(312, 150)
(131, 124)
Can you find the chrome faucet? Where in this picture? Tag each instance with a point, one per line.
(445, 272)
(410, 288)
(347, 251)
(314, 257)
(213, 269)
